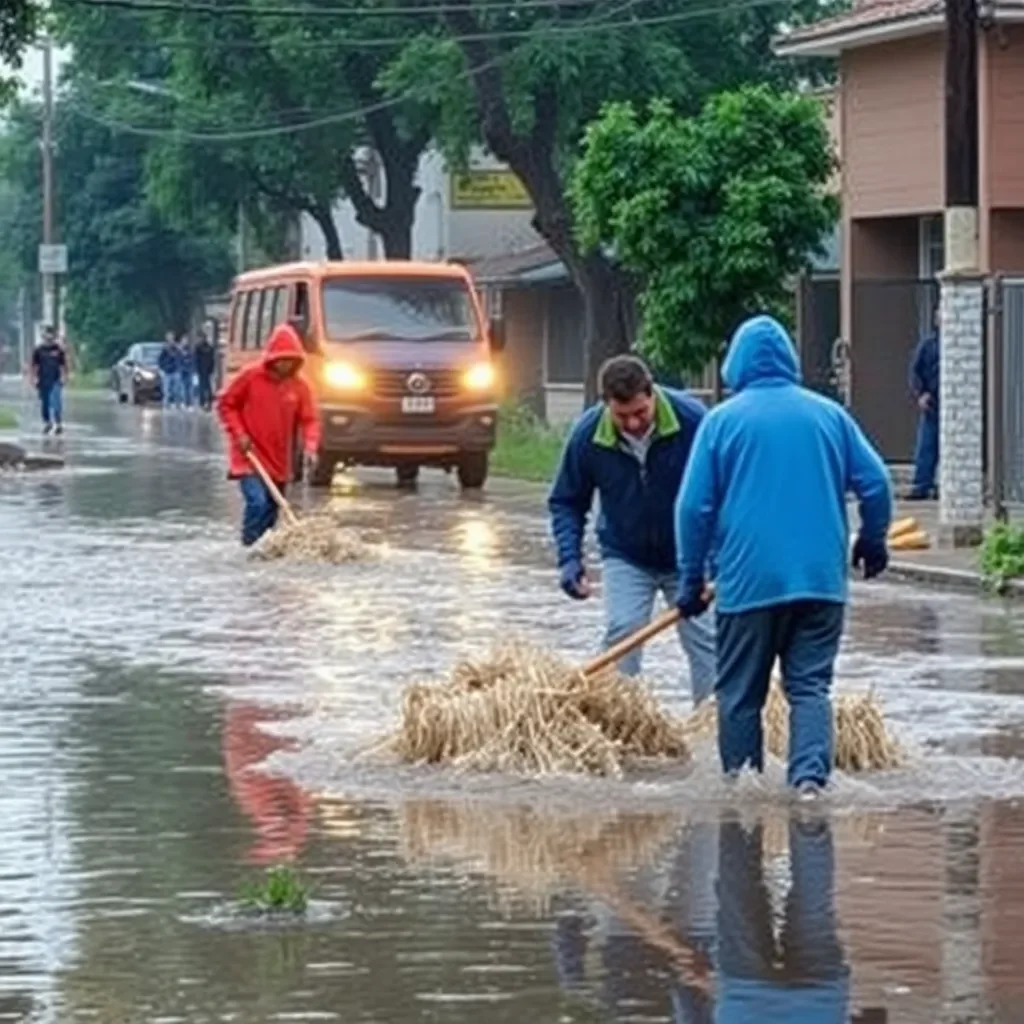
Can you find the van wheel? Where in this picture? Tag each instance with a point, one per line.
(472, 471)
(408, 473)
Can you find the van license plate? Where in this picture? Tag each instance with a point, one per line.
(418, 404)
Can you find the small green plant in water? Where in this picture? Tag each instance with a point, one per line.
(1002, 556)
(8, 418)
(280, 891)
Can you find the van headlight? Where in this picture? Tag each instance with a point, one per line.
(480, 377)
(344, 376)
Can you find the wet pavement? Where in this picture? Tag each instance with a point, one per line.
(173, 718)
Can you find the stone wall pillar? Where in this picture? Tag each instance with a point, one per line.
(961, 410)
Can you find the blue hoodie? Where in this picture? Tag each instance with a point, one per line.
(764, 495)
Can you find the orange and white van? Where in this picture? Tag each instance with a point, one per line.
(399, 355)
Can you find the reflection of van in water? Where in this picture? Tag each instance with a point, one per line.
(399, 356)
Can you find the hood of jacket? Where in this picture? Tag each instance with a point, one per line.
(760, 350)
(284, 343)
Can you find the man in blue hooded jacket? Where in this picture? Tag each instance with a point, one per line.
(631, 449)
(764, 499)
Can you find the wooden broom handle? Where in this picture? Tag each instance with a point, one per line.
(275, 491)
(618, 651)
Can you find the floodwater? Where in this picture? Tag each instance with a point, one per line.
(174, 718)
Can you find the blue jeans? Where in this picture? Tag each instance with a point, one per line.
(172, 389)
(51, 403)
(260, 512)
(629, 594)
(926, 453)
(186, 390)
(804, 636)
(205, 390)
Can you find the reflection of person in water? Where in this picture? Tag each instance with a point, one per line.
(802, 979)
(277, 807)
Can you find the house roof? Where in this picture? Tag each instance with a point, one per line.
(536, 265)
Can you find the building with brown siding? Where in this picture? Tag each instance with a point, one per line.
(891, 56)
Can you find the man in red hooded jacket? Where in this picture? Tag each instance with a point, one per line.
(263, 410)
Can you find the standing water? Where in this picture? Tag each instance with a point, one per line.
(176, 719)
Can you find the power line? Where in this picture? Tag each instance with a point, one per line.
(342, 117)
(263, 11)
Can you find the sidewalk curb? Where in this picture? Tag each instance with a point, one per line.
(946, 578)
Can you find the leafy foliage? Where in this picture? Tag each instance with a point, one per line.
(713, 213)
(280, 891)
(1002, 556)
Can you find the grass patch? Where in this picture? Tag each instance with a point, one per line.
(1002, 556)
(89, 380)
(526, 449)
(8, 418)
(280, 891)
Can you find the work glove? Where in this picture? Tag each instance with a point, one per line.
(574, 580)
(310, 460)
(870, 556)
(691, 598)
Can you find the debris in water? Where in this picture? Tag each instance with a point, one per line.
(525, 711)
(862, 742)
(312, 539)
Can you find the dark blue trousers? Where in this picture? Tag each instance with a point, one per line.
(926, 454)
(260, 512)
(804, 637)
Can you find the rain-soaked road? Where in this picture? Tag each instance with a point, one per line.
(147, 671)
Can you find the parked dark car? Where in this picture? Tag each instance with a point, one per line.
(136, 377)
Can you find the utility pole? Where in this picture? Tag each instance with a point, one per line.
(50, 299)
(962, 331)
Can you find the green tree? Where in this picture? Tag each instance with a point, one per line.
(535, 77)
(713, 213)
(132, 273)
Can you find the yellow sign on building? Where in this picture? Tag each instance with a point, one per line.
(488, 190)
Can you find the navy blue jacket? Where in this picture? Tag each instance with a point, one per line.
(924, 369)
(169, 360)
(636, 503)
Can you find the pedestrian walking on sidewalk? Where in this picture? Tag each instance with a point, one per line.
(206, 364)
(764, 500)
(263, 410)
(169, 364)
(49, 375)
(924, 383)
(631, 450)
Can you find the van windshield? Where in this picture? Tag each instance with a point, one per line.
(398, 309)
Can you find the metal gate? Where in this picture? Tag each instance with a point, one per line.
(1007, 441)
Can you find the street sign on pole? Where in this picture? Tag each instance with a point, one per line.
(53, 259)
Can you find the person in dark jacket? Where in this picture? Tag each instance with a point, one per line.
(169, 365)
(186, 370)
(924, 384)
(764, 501)
(50, 374)
(631, 450)
(206, 362)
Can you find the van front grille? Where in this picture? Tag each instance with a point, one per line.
(396, 383)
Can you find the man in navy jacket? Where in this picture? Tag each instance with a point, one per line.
(924, 383)
(631, 449)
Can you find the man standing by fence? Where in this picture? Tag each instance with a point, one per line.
(206, 364)
(924, 383)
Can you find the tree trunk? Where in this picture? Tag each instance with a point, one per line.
(607, 296)
(332, 238)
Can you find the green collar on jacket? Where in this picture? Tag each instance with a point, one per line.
(666, 422)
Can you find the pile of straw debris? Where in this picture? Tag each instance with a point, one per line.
(862, 742)
(311, 539)
(522, 710)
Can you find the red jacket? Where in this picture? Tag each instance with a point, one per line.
(270, 411)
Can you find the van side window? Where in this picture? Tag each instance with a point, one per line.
(266, 315)
(251, 336)
(237, 321)
(301, 310)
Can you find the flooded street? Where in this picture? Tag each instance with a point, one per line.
(175, 718)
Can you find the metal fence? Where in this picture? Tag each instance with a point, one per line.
(888, 318)
(818, 329)
(1006, 443)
